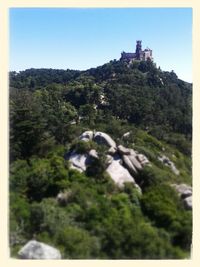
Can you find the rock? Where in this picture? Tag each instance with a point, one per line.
(188, 202)
(123, 150)
(128, 164)
(167, 162)
(86, 136)
(78, 161)
(135, 162)
(142, 159)
(63, 197)
(103, 138)
(93, 154)
(109, 159)
(37, 250)
(112, 150)
(118, 173)
(183, 190)
(126, 135)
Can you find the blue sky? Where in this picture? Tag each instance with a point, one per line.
(81, 38)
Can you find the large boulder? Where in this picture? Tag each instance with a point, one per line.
(123, 150)
(86, 136)
(93, 153)
(128, 164)
(78, 161)
(142, 159)
(105, 139)
(185, 193)
(183, 190)
(118, 173)
(37, 250)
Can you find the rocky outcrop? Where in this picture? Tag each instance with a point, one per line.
(122, 163)
(185, 193)
(167, 162)
(118, 173)
(38, 251)
(105, 139)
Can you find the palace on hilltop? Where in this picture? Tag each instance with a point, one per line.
(138, 55)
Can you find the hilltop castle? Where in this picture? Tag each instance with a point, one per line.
(138, 55)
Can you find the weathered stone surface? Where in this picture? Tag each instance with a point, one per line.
(123, 150)
(103, 138)
(167, 162)
(188, 202)
(135, 162)
(78, 161)
(142, 159)
(118, 173)
(93, 153)
(112, 150)
(109, 159)
(37, 250)
(128, 164)
(183, 190)
(86, 136)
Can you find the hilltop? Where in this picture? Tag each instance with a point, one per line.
(71, 130)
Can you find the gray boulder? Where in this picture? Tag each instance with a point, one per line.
(128, 164)
(93, 153)
(135, 162)
(109, 159)
(142, 159)
(118, 173)
(78, 161)
(112, 150)
(183, 190)
(86, 136)
(123, 150)
(188, 202)
(37, 250)
(103, 138)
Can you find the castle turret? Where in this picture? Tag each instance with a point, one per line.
(138, 49)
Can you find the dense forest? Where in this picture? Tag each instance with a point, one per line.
(49, 110)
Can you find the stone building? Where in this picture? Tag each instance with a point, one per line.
(138, 55)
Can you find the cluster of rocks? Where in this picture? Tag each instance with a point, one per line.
(122, 163)
(185, 193)
(167, 162)
(38, 251)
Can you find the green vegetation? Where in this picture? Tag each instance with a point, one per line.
(49, 109)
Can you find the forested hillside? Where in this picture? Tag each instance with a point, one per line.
(142, 108)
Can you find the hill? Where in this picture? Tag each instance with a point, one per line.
(142, 109)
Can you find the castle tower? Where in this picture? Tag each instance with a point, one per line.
(138, 49)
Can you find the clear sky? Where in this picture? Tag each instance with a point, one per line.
(81, 38)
